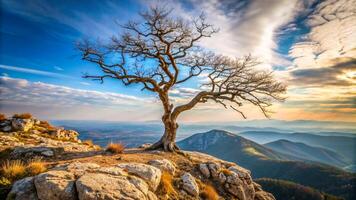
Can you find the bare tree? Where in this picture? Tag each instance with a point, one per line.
(154, 53)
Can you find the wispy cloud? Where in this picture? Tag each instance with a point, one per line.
(245, 27)
(23, 95)
(33, 71)
(58, 68)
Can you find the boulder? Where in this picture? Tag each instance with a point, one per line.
(189, 184)
(6, 128)
(150, 174)
(214, 169)
(93, 186)
(204, 170)
(78, 168)
(30, 152)
(62, 134)
(23, 189)
(18, 124)
(56, 185)
(163, 165)
(239, 187)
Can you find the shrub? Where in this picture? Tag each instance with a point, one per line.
(88, 142)
(23, 116)
(166, 186)
(209, 193)
(13, 170)
(2, 117)
(115, 148)
(35, 166)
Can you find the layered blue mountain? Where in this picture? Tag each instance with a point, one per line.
(265, 162)
(306, 152)
(343, 145)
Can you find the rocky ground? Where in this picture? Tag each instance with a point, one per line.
(80, 171)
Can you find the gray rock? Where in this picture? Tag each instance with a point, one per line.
(23, 189)
(6, 128)
(163, 165)
(56, 185)
(22, 124)
(204, 170)
(62, 134)
(29, 151)
(94, 186)
(150, 174)
(214, 169)
(189, 184)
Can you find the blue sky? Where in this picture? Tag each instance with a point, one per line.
(37, 49)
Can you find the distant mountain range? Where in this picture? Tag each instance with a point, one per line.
(306, 152)
(345, 146)
(265, 162)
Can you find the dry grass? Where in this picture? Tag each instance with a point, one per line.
(13, 170)
(166, 185)
(47, 126)
(35, 166)
(208, 192)
(115, 148)
(88, 142)
(2, 117)
(23, 116)
(226, 172)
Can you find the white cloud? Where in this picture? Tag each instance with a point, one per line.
(25, 92)
(53, 101)
(245, 29)
(58, 68)
(33, 71)
(332, 35)
(84, 83)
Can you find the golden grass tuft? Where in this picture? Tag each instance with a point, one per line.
(35, 166)
(47, 126)
(166, 185)
(13, 170)
(23, 116)
(115, 148)
(88, 142)
(209, 193)
(2, 117)
(226, 172)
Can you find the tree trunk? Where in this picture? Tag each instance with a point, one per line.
(168, 140)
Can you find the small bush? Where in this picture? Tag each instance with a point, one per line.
(115, 148)
(2, 117)
(209, 193)
(13, 170)
(23, 116)
(35, 166)
(88, 142)
(166, 186)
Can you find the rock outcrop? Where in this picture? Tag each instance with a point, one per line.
(137, 181)
(34, 138)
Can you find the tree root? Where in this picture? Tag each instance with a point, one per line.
(167, 146)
